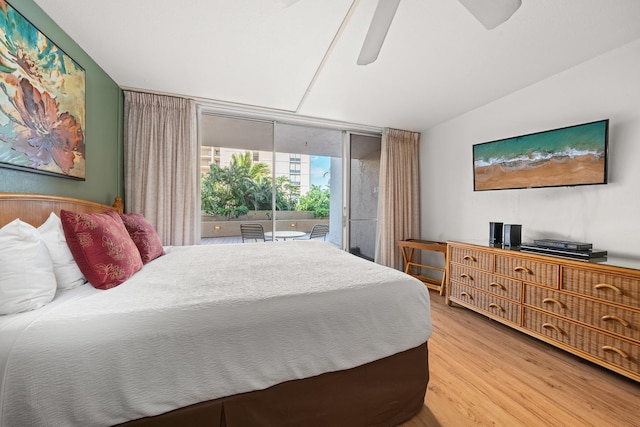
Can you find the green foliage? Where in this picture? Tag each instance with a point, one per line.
(316, 200)
(234, 190)
(286, 194)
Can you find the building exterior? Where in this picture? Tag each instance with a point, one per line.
(296, 167)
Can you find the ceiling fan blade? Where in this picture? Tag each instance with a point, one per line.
(382, 17)
(285, 3)
(491, 13)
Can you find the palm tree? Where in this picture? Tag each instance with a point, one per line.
(257, 170)
(233, 190)
(253, 181)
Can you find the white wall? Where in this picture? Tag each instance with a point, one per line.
(606, 215)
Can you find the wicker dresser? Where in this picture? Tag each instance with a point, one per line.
(591, 309)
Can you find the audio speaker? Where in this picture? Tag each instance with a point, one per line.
(512, 234)
(495, 233)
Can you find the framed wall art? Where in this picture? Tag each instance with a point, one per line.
(569, 156)
(42, 101)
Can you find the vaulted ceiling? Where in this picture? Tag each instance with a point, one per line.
(437, 61)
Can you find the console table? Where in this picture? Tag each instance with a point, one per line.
(590, 309)
(408, 248)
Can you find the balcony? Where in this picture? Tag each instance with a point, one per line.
(216, 229)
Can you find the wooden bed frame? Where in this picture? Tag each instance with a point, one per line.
(385, 392)
(36, 208)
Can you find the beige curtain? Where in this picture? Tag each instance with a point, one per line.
(399, 197)
(161, 164)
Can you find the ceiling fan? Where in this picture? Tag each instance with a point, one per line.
(490, 13)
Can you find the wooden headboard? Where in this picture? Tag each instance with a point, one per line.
(36, 208)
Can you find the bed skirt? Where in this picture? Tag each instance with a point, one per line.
(385, 392)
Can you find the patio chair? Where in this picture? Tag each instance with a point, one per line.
(319, 230)
(252, 232)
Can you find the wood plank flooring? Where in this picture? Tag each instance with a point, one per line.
(486, 374)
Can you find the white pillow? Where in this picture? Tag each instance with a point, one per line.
(27, 281)
(68, 275)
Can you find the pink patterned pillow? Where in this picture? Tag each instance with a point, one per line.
(101, 246)
(144, 236)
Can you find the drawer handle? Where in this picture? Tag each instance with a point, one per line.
(466, 276)
(521, 269)
(554, 327)
(464, 294)
(617, 319)
(494, 305)
(615, 350)
(615, 289)
(553, 301)
(469, 258)
(498, 285)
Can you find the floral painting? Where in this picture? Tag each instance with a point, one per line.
(42, 101)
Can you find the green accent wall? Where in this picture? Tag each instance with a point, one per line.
(103, 133)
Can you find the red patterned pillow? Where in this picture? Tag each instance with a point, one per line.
(101, 246)
(144, 236)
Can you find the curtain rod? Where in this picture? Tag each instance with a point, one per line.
(210, 106)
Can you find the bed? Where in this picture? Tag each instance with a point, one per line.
(256, 334)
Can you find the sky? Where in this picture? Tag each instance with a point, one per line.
(319, 166)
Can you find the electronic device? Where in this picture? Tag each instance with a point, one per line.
(512, 235)
(495, 233)
(563, 244)
(569, 253)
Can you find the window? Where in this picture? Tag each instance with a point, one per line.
(306, 163)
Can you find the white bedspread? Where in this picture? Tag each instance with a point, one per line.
(200, 323)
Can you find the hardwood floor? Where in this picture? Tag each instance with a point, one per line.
(486, 374)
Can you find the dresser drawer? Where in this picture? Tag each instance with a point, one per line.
(488, 303)
(501, 286)
(589, 309)
(607, 317)
(605, 347)
(609, 287)
(472, 258)
(539, 272)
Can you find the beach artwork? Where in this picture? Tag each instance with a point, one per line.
(42, 101)
(568, 156)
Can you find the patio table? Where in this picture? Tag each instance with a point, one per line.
(284, 234)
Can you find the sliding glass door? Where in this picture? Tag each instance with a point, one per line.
(363, 152)
(308, 161)
(286, 178)
(236, 166)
